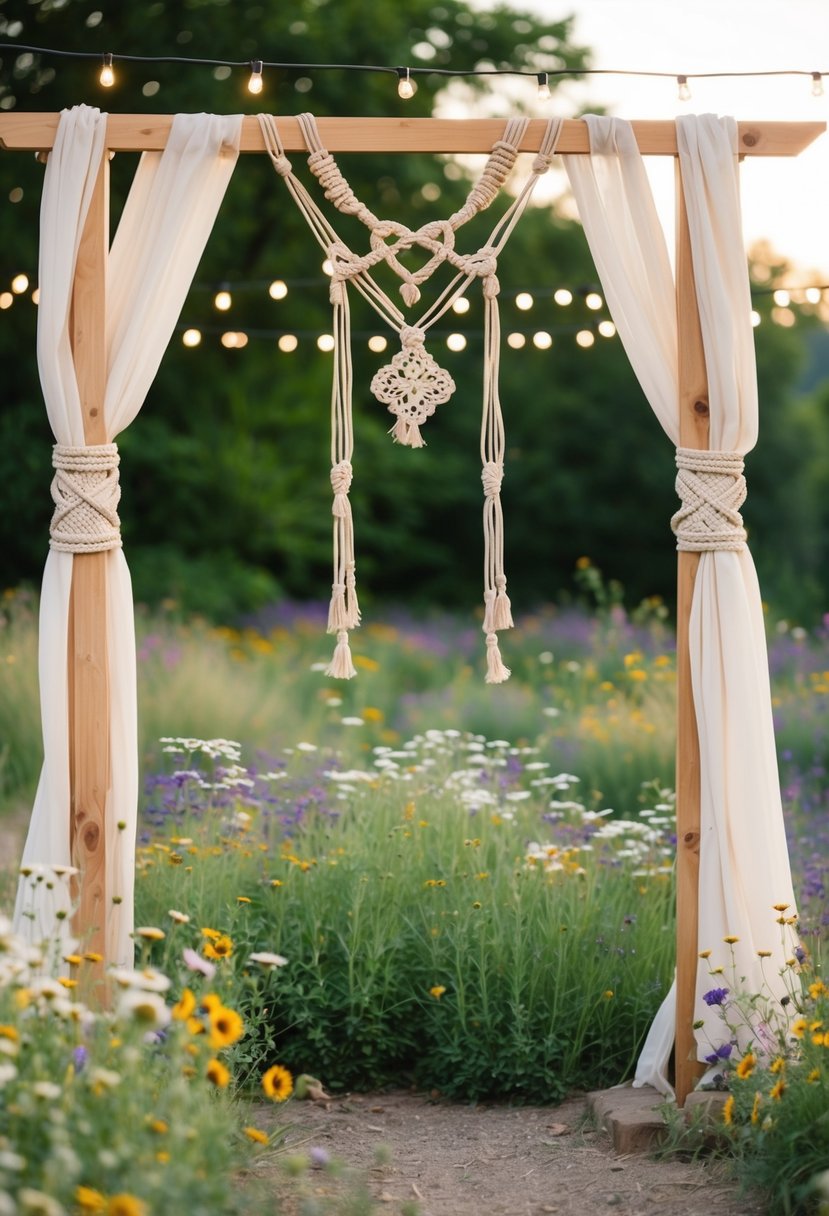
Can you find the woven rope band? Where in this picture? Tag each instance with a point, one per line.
(86, 493)
(712, 489)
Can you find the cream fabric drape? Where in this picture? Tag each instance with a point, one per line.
(744, 867)
(169, 214)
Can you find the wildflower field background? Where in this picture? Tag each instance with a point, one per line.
(407, 878)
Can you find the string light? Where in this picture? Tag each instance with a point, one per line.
(585, 338)
(461, 305)
(255, 82)
(107, 76)
(607, 329)
(683, 88)
(456, 342)
(563, 296)
(542, 340)
(19, 283)
(377, 343)
(524, 301)
(517, 341)
(544, 93)
(278, 289)
(191, 337)
(593, 300)
(288, 343)
(403, 74)
(406, 87)
(6, 299)
(325, 342)
(222, 300)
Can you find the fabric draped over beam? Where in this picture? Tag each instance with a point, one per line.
(168, 216)
(744, 866)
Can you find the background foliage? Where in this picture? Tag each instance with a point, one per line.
(226, 500)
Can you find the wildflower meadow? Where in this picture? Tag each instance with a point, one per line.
(409, 878)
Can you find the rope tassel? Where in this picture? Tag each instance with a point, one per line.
(341, 666)
(496, 672)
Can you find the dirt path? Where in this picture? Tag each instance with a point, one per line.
(436, 1158)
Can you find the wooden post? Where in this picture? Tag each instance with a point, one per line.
(693, 433)
(89, 714)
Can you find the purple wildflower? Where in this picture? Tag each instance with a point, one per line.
(79, 1057)
(716, 996)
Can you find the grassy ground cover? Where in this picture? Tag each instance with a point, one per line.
(471, 887)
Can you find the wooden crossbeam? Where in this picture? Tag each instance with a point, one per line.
(148, 132)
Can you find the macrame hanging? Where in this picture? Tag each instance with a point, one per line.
(412, 385)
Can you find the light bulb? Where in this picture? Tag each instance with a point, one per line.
(107, 76)
(544, 86)
(406, 87)
(684, 91)
(255, 82)
(222, 300)
(817, 84)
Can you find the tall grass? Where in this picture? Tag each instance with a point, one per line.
(452, 913)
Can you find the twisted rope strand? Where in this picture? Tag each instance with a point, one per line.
(86, 493)
(712, 489)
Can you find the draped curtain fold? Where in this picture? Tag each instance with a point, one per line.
(744, 866)
(169, 214)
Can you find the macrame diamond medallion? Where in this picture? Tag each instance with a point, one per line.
(412, 386)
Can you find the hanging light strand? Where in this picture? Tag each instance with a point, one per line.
(409, 74)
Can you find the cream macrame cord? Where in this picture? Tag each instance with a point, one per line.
(86, 493)
(712, 488)
(413, 384)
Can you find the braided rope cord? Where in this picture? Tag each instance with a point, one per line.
(86, 493)
(712, 488)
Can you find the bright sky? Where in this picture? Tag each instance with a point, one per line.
(784, 200)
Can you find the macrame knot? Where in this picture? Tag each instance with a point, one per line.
(341, 475)
(86, 494)
(336, 292)
(282, 165)
(337, 190)
(491, 287)
(411, 336)
(483, 263)
(712, 488)
(492, 475)
(542, 162)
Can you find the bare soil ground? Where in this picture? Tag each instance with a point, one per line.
(432, 1157)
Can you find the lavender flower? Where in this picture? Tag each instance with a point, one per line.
(716, 996)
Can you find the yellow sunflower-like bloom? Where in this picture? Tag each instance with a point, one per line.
(226, 1027)
(217, 1073)
(746, 1066)
(278, 1083)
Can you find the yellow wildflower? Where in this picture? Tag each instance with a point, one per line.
(185, 1006)
(778, 1090)
(704, 954)
(608, 993)
(217, 1073)
(277, 1083)
(226, 1027)
(9, 1032)
(813, 1076)
(755, 1109)
(125, 1205)
(818, 988)
(730, 940)
(798, 1028)
(220, 947)
(746, 1066)
(437, 991)
(159, 1126)
(242, 899)
(89, 1200)
(777, 1065)
(150, 933)
(780, 907)
(253, 1133)
(728, 1110)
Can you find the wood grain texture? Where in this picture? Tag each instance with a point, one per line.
(693, 433)
(139, 132)
(89, 713)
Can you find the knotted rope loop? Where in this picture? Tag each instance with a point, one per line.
(411, 336)
(281, 164)
(492, 475)
(341, 475)
(337, 189)
(86, 494)
(712, 489)
(541, 163)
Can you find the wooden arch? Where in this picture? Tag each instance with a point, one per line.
(88, 675)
